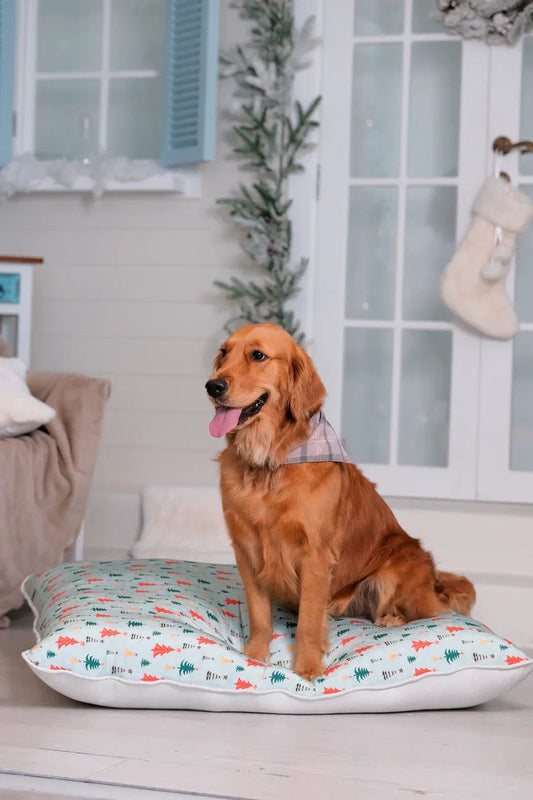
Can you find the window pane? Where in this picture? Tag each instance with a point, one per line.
(524, 269)
(434, 109)
(66, 118)
(376, 17)
(69, 35)
(366, 403)
(371, 263)
(421, 21)
(134, 118)
(526, 122)
(429, 245)
(425, 398)
(137, 34)
(522, 404)
(376, 110)
(9, 331)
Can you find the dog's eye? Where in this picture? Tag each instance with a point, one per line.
(257, 355)
(222, 351)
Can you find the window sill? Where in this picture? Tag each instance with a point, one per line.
(187, 183)
(26, 174)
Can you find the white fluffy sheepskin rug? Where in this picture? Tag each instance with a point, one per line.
(185, 523)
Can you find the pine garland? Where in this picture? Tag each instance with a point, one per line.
(271, 134)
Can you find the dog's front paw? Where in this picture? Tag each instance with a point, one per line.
(390, 621)
(308, 666)
(257, 650)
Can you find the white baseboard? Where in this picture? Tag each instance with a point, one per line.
(504, 603)
(466, 537)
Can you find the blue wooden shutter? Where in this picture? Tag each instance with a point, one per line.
(7, 54)
(190, 93)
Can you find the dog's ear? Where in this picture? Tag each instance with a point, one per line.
(307, 391)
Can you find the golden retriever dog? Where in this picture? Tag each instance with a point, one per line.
(314, 537)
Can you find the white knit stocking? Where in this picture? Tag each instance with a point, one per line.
(473, 283)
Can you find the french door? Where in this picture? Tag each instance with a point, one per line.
(408, 118)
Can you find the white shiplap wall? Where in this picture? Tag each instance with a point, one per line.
(126, 292)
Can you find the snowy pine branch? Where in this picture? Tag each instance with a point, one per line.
(271, 133)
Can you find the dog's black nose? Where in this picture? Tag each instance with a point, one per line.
(216, 388)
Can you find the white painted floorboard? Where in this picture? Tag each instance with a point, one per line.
(50, 744)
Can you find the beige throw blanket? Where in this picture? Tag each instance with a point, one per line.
(45, 479)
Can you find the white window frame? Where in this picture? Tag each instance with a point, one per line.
(184, 180)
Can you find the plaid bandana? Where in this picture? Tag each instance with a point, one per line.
(323, 444)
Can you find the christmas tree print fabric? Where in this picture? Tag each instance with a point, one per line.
(153, 621)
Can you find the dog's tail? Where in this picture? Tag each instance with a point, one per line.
(455, 591)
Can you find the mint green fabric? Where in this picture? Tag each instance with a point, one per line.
(159, 620)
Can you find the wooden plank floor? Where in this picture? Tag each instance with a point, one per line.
(56, 746)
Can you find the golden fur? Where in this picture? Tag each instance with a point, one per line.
(314, 537)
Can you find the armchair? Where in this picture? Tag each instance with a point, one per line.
(45, 478)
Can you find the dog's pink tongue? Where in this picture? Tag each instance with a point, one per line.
(224, 420)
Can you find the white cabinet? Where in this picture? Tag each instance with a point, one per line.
(16, 282)
(427, 407)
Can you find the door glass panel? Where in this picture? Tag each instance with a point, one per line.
(429, 245)
(421, 22)
(376, 110)
(378, 17)
(434, 109)
(526, 121)
(366, 406)
(137, 34)
(134, 118)
(521, 455)
(69, 35)
(524, 269)
(371, 252)
(425, 398)
(66, 118)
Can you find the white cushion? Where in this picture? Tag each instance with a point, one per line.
(20, 412)
(183, 522)
(170, 634)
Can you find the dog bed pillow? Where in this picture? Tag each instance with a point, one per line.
(170, 634)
